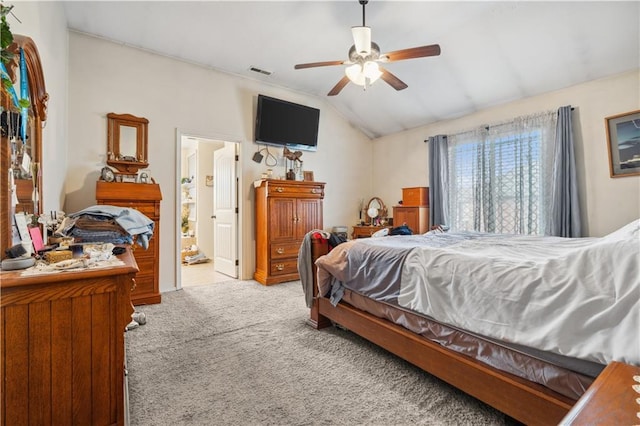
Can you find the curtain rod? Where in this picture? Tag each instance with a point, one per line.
(486, 127)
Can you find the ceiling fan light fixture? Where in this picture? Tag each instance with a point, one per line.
(362, 40)
(355, 74)
(363, 75)
(371, 70)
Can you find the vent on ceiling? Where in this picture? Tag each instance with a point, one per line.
(259, 70)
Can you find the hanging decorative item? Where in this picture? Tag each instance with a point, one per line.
(24, 95)
(10, 89)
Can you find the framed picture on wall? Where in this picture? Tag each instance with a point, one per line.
(623, 140)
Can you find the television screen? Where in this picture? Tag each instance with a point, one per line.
(287, 124)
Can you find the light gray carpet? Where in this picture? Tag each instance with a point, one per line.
(239, 353)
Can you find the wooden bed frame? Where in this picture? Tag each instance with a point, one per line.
(525, 401)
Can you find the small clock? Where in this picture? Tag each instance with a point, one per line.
(107, 174)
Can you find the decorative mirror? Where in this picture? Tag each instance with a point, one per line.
(376, 210)
(21, 135)
(127, 142)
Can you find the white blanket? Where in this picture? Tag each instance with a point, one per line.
(576, 297)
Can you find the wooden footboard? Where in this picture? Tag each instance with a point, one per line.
(521, 399)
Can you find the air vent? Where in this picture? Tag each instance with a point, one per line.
(261, 71)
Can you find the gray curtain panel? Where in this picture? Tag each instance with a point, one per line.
(438, 180)
(565, 205)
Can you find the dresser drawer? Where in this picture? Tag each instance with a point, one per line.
(144, 285)
(285, 250)
(147, 209)
(145, 263)
(150, 251)
(415, 197)
(284, 189)
(283, 267)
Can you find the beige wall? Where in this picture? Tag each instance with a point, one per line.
(181, 97)
(89, 77)
(400, 160)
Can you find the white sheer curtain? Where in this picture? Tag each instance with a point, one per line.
(500, 176)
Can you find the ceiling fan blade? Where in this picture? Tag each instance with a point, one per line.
(338, 87)
(318, 64)
(392, 80)
(411, 53)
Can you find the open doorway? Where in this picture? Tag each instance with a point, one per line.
(208, 213)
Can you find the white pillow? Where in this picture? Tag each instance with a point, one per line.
(381, 233)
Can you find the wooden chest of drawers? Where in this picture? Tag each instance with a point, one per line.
(366, 231)
(63, 356)
(146, 199)
(416, 218)
(285, 211)
(414, 197)
(610, 400)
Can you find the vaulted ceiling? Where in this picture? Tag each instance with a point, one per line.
(492, 52)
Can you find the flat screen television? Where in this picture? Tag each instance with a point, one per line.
(283, 123)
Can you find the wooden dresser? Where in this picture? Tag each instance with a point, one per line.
(144, 197)
(416, 218)
(610, 400)
(63, 352)
(285, 211)
(414, 211)
(366, 231)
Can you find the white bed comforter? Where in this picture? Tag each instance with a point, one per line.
(576, 297)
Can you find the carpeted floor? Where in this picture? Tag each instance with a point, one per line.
(239, 353)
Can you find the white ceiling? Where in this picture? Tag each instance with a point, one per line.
(492, 52)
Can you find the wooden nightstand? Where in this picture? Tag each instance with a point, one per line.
(610, 400)
(365, 231)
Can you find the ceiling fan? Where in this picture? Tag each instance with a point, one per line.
(364, 57)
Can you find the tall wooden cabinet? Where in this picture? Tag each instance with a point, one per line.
(285, 211)
(63, 356)
(416, 218)
(144, 197)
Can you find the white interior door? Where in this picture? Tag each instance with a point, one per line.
(225, 211)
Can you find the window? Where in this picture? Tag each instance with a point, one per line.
(500, 177)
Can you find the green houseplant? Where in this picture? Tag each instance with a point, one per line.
(6, 55)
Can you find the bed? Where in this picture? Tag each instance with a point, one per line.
(522, 323)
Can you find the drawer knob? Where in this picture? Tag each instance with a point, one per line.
(279, 189)
(279, 250)
(280, 267)
(315, 191)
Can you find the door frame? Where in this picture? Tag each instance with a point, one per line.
(178, 191)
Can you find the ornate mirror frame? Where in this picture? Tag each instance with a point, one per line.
(121, 142)
(37, 117)
(379, 205)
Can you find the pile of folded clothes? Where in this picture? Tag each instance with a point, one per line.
(107, 224)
